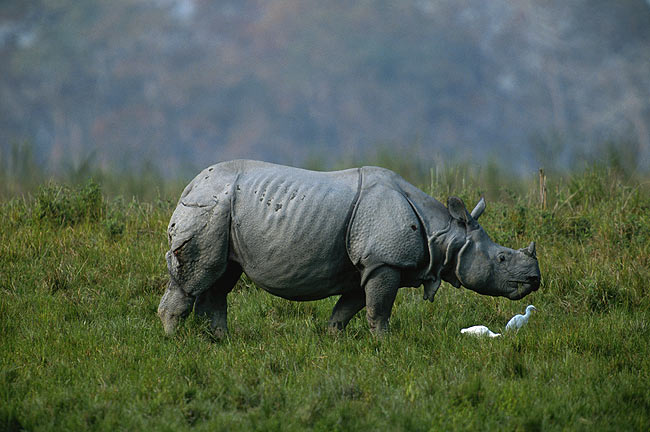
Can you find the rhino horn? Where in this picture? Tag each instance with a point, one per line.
(530, 250)
(478, 210)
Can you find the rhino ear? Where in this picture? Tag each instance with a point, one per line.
(458, 211)
(456, 208)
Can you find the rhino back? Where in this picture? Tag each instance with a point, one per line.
(288, 230)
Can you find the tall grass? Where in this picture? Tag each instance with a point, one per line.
(22, 174)
(81, 347)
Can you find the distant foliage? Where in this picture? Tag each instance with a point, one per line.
(188, 81)
(63, 205)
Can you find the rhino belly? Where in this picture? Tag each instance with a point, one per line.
(288, 231)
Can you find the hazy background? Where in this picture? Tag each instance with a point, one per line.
(174, 85)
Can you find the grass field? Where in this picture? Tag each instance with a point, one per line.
(81, 347)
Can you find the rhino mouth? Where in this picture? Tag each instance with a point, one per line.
(522, 287)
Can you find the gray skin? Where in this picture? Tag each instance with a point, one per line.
(305, 235)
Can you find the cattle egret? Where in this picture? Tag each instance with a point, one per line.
(518, 321)
(480, 330)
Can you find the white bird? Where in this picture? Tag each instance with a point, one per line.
(480, 330)
(518, 321)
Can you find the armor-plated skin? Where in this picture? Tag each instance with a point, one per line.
(305, 235)
(287, 232)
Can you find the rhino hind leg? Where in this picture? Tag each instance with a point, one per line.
(381, 289)
(213, 304)
(346, 307)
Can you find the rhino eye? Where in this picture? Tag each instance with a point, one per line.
(501, 257)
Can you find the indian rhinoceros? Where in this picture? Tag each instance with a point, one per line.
(305, 235)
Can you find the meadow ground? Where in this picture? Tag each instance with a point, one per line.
(81, 347)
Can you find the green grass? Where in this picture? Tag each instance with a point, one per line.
(81, 347)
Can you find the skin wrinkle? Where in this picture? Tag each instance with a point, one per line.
(458, 259)
(196, 205)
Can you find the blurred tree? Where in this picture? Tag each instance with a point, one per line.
(192, 81)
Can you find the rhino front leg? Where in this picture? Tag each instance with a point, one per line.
(381, 289)
(346, 307)
(213, 303)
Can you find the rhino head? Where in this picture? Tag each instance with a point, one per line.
(484, 266)
(174, 305)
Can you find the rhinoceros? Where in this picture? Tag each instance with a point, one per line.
(359, 233)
